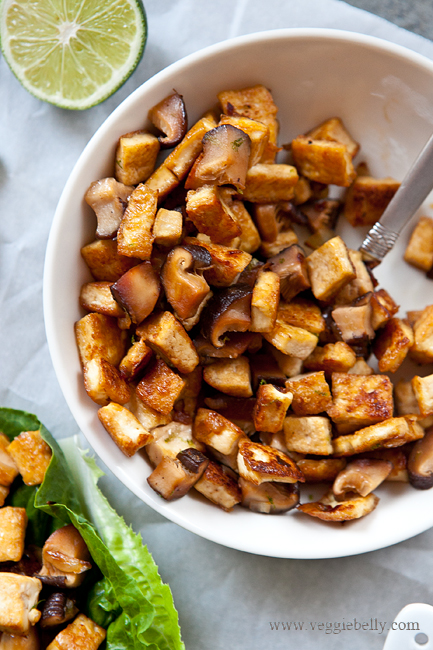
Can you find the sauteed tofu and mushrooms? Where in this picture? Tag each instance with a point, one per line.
(229, 327)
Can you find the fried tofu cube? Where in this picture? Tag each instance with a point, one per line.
(311, 393)
(422, 349)
(265, 301)
(359, 286)
(419, 251)
(294, 341)
(147, 416)
(13, 522)
(257, 132)
(302, 191)
(99, 336)
(167, 227)
(170, 440)
(393, 432)
(103, 382)
(367, 198)
(260, 463)
(162, 181)
(124, 428)
(81, 634)
(181, 159)
(405, 400)
(174, 477)
(137, 358)
(210, 216)
(392, 344)
(423, 389)
(217, 432)
(249, 239)
(19, 596)
(323, 161)
(266, 218)
(166, 336)
(230, 376)
(136, 157)
(360, 400)
(283, 240)
(335, 131)
(134, 237)
(97, 297)
(330, 268)
(226, 262)
(361, 367)
(270, 183)
(304, 313)
(160, 387)
(329, 509)
(308, 435)
(104, 262)
(383, 308)
(321, 471)
(333, 357)
(8, 467)
(271, 408)
(219, 487)
(289, 366)
(32, 456)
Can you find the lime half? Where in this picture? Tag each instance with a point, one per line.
(72, 53)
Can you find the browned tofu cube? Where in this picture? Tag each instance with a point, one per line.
(265, 217)
(8, 467)
(333, 357)
(361, 367)
(419, 251)
(308, 435)
(162, 181)
(219, 486)
(124, 428)
(170, 440)
(271, 408)
(405, 400)
(103, 382)
(19, 596)
(249, 239)
(137, 358)
(289, 366)
(217, 432)
(330, 268)
(304, 313)
(260, 463)
(367, 199)
(13, 523)
(257, 132)
(423, 389)
(422, 349)
(167, 227)
(226, 262)
(104, 262)
(97, 297)
(99, 336)
(174, 477)
(134, 237)
(357, 287)
(210, 216)
(147, 416)
(383, 308)
(398, 458)
(335, 131)
(329, 509)
(311, 393)
(181, 159)
(81, 634)
(393, 432)
(321, 471)
(283, 240)
(230, 376)
(294, 341)
(265, 301)
(160, 387)
(360, 400)
(32, 456)
(270, 183)
(107, 198)
(392, 344)
(302, 191)
(323, 161)
(166, 336)
(136, 157)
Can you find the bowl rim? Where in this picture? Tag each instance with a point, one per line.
(49, 309)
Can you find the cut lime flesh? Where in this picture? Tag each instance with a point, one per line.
(72, 53)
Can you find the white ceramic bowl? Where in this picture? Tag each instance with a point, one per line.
(384, 94)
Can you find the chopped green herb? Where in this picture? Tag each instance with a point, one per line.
(310, 497)
(237, 143)
(270, 499)
(119, 164)
(262, 382)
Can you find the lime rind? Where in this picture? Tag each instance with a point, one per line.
(72, 53)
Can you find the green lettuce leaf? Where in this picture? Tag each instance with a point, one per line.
(131, 599)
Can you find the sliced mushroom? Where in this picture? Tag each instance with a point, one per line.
(420, 463)
(322, 213)
(360, 477)
(65, 556)
(108, 198)
(229, 310)
(173, 477)
(57, 609)
(236, 344)
(238, 410)
(290, 266)
(226, 152)
(269, 498)
(138, 291)
(354, 323)
(169, 116)
(184, 288)
(329, 509)
(226, 263)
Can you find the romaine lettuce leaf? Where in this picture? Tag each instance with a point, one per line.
(131, 592)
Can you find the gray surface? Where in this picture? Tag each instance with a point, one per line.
(416, 15)
(226, 599)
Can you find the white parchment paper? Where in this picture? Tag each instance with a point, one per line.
(226, 599)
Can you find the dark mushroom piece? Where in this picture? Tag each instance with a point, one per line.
(360, 477)
(238, 410)
(65, 557)
(236, 344)
(169, 116)
(185, 288)
(265, 370)
(229, 310)
(137, 291)
(290, 266)
(108, 198)
(269, 498)
(57, 609)
(420, 462)
(322, 214)
(354, 323)
(173, 477)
